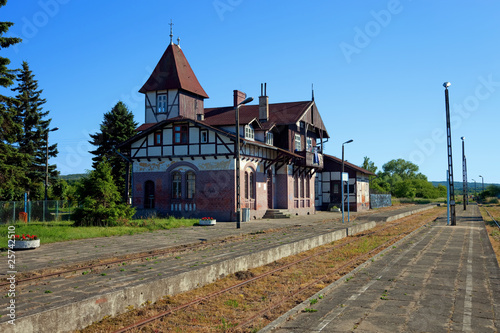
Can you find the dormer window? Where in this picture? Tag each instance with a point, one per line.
(249, 132)
(270, 138)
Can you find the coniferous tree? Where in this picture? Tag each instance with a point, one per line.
(35, 129)
(12, 162)
(118, 125)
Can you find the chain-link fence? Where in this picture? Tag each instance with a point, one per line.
(31, 211)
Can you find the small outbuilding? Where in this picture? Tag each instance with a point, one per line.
(328, 185)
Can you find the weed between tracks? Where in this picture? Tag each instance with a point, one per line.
(491, 227)
(228, 311)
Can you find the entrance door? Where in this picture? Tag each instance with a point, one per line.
(270, 189)
(335, 192)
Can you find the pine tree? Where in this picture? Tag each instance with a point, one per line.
(12, 162)
(118, 125)
(35, 129)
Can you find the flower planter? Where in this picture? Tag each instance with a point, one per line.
(207, 222)
(27, 244)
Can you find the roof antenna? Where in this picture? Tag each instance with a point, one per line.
(312, 88)
(171, 34)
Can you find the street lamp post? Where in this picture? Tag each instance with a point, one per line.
(464, 173)
(342, 182)
(450, 158)
(237, 157)
(482, 179)
(47, 167)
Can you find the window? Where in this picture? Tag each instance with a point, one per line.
(190, 184)
(249, 132)
(270, 138)
(251, 182)
(158, 138)
(301, 186)
(246, 185)
(161, 104)
(298, 142)
(176, 185)
(295, 187)
(308, 186)
(149, 195)
(180, 134)
(309, 144)
(204, 136)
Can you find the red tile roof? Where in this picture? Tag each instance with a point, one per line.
(173, 72)
(279, 114)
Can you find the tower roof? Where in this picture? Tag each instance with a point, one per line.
(173, 72)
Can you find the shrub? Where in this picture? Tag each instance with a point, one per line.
(100, 201)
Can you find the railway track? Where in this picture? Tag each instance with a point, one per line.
(491, 216)
(347, 266)
(105, 263)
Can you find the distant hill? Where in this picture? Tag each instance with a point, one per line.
(73, 177)
(459, 186)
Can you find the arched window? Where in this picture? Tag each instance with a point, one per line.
(149, 194)
(251, 183)
(301, 186)
(190, 184)
(176, 185)
(246, 185)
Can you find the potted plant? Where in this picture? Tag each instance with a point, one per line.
(26, 241)
(207, 221)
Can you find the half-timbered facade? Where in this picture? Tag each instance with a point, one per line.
(183, 157)
(329, 190)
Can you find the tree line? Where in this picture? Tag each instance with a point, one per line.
(401, 179)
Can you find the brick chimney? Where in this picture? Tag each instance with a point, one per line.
(238, 97)
(263, 103)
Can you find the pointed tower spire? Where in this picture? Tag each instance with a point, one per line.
(312, 90)
(171, 32)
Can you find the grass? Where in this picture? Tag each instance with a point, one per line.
(221, 313)
(51, 232)
(491, 227)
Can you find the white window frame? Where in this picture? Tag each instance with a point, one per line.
(309, 144)
(203, 136)
(270, 138)
(161, 103)
(298, 143)
(249, 132)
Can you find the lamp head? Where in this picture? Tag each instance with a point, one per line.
(247, 100)
(463, 138)
(348, 141)
(446, 84)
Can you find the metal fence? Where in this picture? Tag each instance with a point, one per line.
(32, 211)
(380, 200)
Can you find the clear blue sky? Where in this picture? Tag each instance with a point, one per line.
(377, 68)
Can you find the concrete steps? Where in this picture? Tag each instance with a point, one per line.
(276, 214)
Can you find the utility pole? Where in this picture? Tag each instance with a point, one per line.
(450, 158)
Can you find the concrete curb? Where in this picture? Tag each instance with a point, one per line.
(81, 313)
(399, 216)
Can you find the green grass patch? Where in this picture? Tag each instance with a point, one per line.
(52, 232)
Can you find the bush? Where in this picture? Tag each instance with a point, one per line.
(100, 201)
